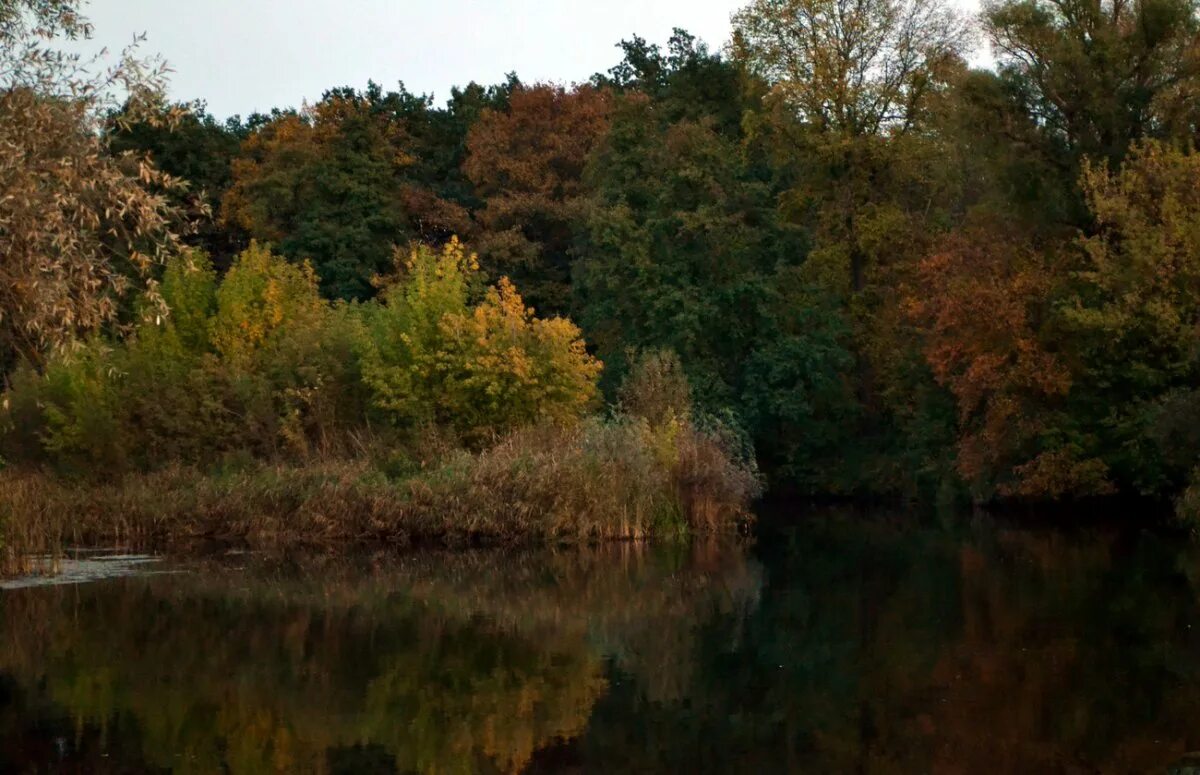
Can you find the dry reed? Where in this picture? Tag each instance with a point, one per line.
(593, 482)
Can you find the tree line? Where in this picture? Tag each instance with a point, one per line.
(894, 272)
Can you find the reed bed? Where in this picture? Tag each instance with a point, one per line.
(595, 481)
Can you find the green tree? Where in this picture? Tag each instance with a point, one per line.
(687, 81)
(682, 241)
(851, 91)
(324, 185)
(1134, 320)
(198, 149)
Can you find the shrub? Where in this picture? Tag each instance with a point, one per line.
(173, 403)
(80, 408)
(259, 364)
(482, 370)
(401, 362)
(285, 360)
(264, 303)
(21, 418)
(656, 388)
(189, 290)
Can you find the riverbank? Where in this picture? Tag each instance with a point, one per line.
(597, 481)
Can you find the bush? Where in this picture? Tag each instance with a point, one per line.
(79, 408)
(656, 388)
(259, 364)
(263, 304)
(484, 369)
(256, 363)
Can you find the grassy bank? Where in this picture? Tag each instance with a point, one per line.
(259, 415)
(597, 480)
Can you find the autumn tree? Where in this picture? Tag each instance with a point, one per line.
(1073, 360)
(1142, 267)
(987, 302)
(79, 226)
(343, 181)
(445, 350)
(527, 162)
(438, 194)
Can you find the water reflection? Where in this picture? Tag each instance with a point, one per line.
(849, 644)
(440, 662)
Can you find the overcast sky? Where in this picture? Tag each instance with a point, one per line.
(247, 55)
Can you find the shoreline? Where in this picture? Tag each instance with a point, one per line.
(488, 499)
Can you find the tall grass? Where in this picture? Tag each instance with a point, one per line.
(596, 480)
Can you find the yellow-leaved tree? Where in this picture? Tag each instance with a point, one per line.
(284, 350)
(485, 368)
(263, 299)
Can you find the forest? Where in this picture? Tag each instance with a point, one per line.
(832, 255)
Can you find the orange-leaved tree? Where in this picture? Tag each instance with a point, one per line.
(527, 165)
(985, 301)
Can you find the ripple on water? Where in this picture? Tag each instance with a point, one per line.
(83, 569)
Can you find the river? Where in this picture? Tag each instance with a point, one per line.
(842, 643)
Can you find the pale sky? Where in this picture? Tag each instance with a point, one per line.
(247, 55)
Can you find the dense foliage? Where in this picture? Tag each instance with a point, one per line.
(258, 362)
(892, 273)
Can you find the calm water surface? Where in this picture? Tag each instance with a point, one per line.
(848, 644)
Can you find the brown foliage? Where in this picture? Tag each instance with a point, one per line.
(78, 225)
(984, 302)
(594, 481)
(527, 164)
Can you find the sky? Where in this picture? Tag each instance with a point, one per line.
(248, 55)
(242, 56)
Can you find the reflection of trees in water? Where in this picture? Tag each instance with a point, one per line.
(1080, 655)
(879, 649)
(641, 605)
(862, 646)
(444, 662)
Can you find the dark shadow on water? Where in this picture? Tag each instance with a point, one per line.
(840, 642)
